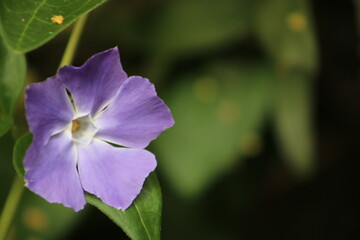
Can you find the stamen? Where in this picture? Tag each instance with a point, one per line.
(75, 125)
(83, 130)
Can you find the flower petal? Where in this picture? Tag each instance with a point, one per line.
(51, 171)
(135, 117)
(94, 84)
(115, 175)
(48, 109)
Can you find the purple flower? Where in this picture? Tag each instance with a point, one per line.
(73, 117)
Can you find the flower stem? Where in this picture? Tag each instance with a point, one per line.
(10, 206)
(73, 41)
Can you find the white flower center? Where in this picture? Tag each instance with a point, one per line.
(83, 130)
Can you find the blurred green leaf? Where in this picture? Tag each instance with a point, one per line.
(142, 219)
(20, 148)
(28, 24)
(285, 29)
(293, 116)
(187, 26)
(218, 117)
(12, 78)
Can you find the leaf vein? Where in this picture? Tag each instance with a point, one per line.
(142, 221)
(21, 38)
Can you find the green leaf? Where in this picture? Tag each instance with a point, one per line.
(293, 121)
(285, 28)
(12, 79)
(27, 24)
(142, 219)
(218, 115)
(20, 148)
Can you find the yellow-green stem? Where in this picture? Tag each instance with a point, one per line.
(73, 41)
(10, 206)
(17, 188)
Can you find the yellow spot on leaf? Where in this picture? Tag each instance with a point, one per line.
(57, 19)
(296, 22)
(75, 126)
(35, 219)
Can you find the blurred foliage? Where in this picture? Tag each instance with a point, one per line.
(209, 146)
(293, 121)
(285, 29)
(219, 113)
(192, 27)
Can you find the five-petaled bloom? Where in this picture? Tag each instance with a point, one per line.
(73, 117)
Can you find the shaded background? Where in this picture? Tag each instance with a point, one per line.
(265, 96)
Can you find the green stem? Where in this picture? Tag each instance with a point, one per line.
(10, 206)
(73, 41)
(17, 188)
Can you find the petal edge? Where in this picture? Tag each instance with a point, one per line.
(136, 116)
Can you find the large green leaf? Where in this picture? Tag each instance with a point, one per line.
(285, 29)
(187, 28)
(12, 78)
(142, 219)
(218, 117)
(293, 121)
(27, 24)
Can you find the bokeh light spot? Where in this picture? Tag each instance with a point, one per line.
(35, 219)
(296, 22)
